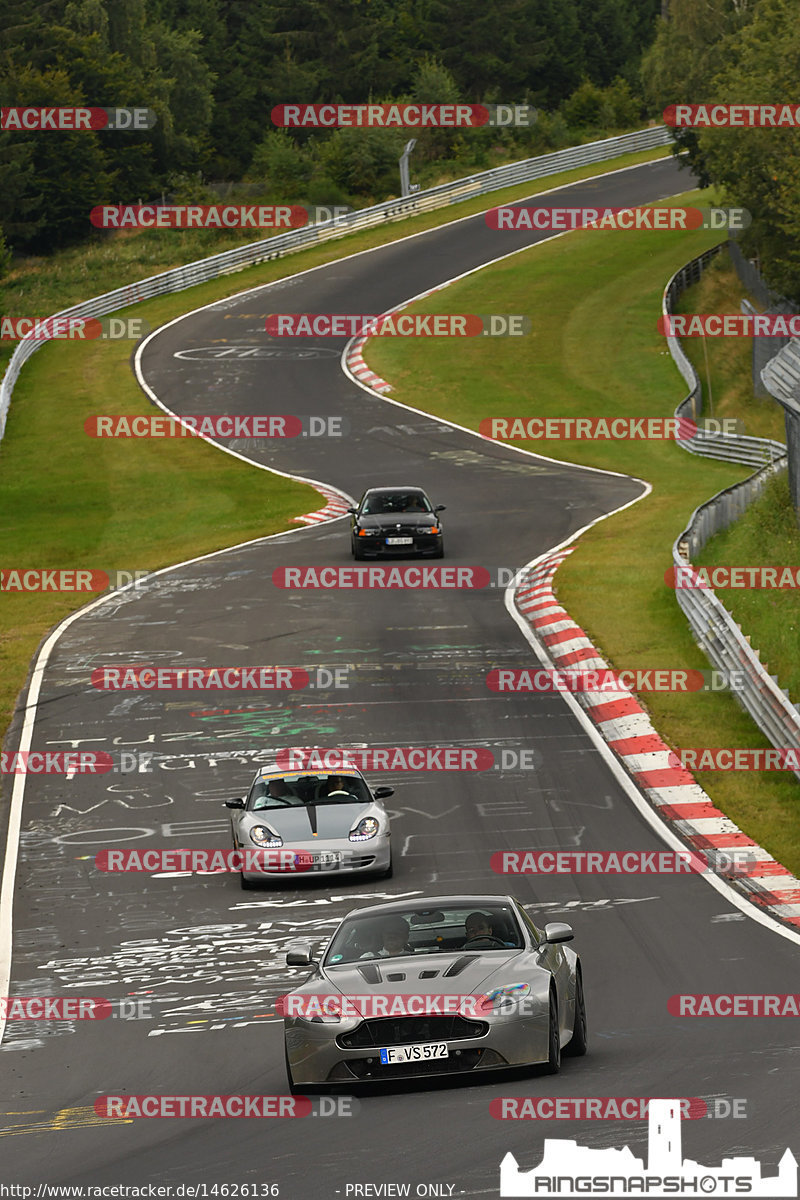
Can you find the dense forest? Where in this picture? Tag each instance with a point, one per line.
(739, 51)
(212, 70)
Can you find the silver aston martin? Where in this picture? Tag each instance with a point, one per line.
(332, 822)
(440, 985)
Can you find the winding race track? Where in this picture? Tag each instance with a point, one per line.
(209, 958)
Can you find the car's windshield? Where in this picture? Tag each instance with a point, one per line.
(463, 926)
(284, 791)
(396, 502)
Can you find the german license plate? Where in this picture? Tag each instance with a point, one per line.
(418, 1052)
(399, 541)
(328, 858)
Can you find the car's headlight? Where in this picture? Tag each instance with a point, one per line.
(504, 999)
(434, 529)
(364, 830)
(369, 533)
(262, 836)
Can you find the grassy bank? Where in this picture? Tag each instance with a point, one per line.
(594, 299)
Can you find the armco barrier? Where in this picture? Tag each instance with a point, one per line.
(391, 210)
(714, 628)
(781, 378)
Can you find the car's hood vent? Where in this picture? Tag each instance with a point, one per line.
(458, 966)
(369, 972)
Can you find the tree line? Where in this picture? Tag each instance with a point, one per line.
(212, 70)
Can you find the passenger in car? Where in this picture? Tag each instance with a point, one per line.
(394, 936)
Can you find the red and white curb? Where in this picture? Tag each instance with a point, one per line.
(626, 728)
(354, 352)
(336, 506)
(364, 374)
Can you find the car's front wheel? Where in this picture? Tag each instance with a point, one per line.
(553, 1065)
(579, 1041)
(293, 1089)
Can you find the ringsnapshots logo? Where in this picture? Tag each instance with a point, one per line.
(72, 329)
(219, 426)
(72, 120)
(561, 220)
(398, 324)
(402, 116)
(732, 116)
(567, 1169)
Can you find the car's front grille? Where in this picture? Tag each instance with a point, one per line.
(399, 1031)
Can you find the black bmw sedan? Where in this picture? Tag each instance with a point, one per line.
(396, 521)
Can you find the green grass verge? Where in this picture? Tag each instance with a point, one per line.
(68, 501)
(594, 298)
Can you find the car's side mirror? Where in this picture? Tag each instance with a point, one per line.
(299, 956)
(238, 803)
(382, 793)
(440, 508)
(557, 931)
(352, 510)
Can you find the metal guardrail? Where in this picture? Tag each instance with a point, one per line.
(732, 447)
(714, 629)
(253, 253)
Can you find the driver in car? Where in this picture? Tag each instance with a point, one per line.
(479, 925)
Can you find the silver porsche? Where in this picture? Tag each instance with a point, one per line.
(332, 822)
(442, 985)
